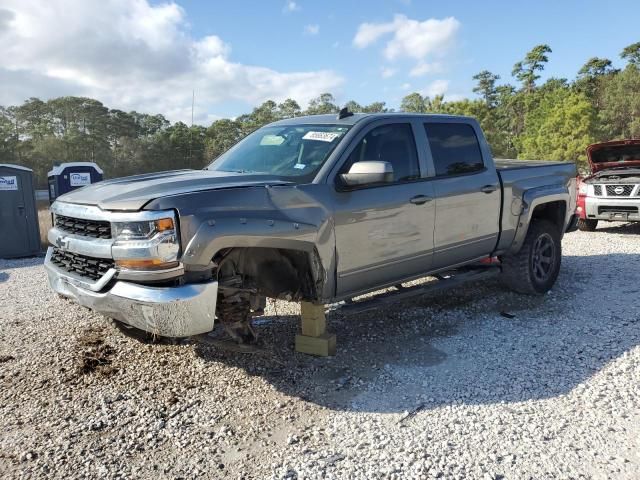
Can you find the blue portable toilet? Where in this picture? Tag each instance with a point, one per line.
(69, 176)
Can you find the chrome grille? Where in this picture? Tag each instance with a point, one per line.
(597, 190)
(88, 267)
(80, 226)
(619, 190)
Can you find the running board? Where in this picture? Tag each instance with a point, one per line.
(445, 281)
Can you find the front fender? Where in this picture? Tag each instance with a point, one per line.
(216, 235)
(213, 236)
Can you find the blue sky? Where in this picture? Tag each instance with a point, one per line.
(149, 55)
(492, 36)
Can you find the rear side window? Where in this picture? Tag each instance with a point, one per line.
(393, 143)
(454, 147)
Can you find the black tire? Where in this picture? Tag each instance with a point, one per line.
(587, 225)
(534, 269)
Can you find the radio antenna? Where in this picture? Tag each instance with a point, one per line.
(193, 100)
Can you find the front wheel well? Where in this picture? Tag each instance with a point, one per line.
(272, 272)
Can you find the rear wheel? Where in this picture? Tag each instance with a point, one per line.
(587, 225)
(535, 268)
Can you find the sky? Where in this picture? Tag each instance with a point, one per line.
(152, 56)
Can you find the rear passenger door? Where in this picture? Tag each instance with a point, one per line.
(467, 192)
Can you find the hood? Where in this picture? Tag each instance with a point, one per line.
(133, 193)
(616, 154)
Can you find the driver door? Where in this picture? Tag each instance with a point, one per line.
(384, 232)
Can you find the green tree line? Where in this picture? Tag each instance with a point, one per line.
(555, 120)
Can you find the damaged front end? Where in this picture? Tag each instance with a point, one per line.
(257, 242)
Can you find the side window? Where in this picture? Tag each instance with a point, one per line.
(454, 147)
(393, 143)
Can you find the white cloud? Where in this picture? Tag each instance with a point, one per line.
(424, 68)
(131, 54)
(420, 41)
(368, 33)
(405, 86)
(387, 72)
(290, 6)
(437, 87)
(312, 29)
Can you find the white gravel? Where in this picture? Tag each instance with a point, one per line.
(437, 387)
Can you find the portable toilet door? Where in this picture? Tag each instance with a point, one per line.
(66, 177)
(19, 229)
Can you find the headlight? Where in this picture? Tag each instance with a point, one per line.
(151, 244)
(141, 230)
(582, 190)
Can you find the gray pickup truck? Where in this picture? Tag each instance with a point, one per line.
(317, 209)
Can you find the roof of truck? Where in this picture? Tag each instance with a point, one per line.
(333, 119)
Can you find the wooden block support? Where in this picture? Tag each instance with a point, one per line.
(322, 346)
(314, 339)
(314, 323)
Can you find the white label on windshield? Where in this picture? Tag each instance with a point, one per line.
(271, 140)
(80, 179)
(322, 136)
(8, 183)
(299, 166)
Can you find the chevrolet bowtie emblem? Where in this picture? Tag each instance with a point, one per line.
(62, 243)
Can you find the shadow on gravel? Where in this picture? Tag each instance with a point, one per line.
(6, 264)
(463, 348)
(4, 276)
(625, 228)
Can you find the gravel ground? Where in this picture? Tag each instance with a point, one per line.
(476, 383)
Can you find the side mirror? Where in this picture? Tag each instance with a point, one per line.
(367, 173)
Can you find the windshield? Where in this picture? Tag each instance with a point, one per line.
(617, 153)
(287, 151)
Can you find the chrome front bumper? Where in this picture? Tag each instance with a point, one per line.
(166, 311)
(593, 205)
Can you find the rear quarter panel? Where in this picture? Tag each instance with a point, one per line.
(526, 184)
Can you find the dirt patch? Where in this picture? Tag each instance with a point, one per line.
(94, 354)
(6, 358)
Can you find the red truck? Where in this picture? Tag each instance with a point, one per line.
(611, 193)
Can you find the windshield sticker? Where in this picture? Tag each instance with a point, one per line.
(8, 183)
(322, 136)
(299, 166)
(272, 140)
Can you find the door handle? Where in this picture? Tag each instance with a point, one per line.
(489, 188)
(420, 199)
(20, 210)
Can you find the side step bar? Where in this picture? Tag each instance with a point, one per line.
(445, 281)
